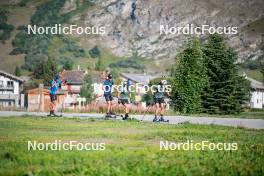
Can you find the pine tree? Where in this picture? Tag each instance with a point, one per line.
(68, 64)
(115, 73)
(227, 91)
(46, 71)
(99, 64)
(148, 98)
(50, 70)
(189, 79)
(18, 71)
(262, 71)
(87, 88)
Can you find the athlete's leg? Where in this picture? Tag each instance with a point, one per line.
(108, 104)
(157, 109)
(109, 108)
(126, 108)
(162, 110)
(51, 108)
(111, 105)
(156, 112)
(52, 104)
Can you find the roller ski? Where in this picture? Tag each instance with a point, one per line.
(52, 114)
(110, 116)
(155, 119)
(163, 120)
(125, 117)
(160, 119)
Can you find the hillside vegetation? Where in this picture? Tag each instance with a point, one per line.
(132, 32)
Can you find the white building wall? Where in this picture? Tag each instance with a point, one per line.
(16, 87)
(4, 80)
(257, 99)
(9, 96)
(76, 87)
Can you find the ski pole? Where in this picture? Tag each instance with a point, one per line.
(145, 113)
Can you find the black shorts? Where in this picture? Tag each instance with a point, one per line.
(159, 100)
(53, 97)
(108, 97)
(124, 101)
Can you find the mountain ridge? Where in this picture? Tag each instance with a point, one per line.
(132, 26)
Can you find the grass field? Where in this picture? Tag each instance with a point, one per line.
(247, 114)
(132, 148)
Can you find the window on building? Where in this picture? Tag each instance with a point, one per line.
(10, 84)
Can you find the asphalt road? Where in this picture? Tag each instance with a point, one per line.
(235, 122)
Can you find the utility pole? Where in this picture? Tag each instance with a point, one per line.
(40, 97)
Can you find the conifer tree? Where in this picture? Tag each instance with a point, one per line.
(46, 71)
(189, 79)
(262, 71)
(18, 71)
(87, 88)
(227, 91)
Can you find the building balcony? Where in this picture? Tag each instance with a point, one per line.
(9, 96)
(9, 88)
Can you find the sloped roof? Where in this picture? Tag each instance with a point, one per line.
(254, 84)
(96, 77)
(25, 78)
(73, 76)
(45, 91)
(10, 76)
(137, 78)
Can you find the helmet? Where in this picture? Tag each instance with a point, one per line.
(109, 76)
(57, 76)
(125, 83)
(163, 82)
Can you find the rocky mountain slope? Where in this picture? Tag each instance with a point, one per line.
(133, 26)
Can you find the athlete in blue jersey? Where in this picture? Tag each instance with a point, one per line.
(55, 85)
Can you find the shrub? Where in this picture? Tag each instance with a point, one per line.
(253, 64)
(17, 51)
(66, 63)
(127, 64)
(7, 28)
(94, 52)
(18, 71)
(3, 16)
(22, 27)
(36, 46)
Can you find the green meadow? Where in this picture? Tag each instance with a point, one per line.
(132, 148)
